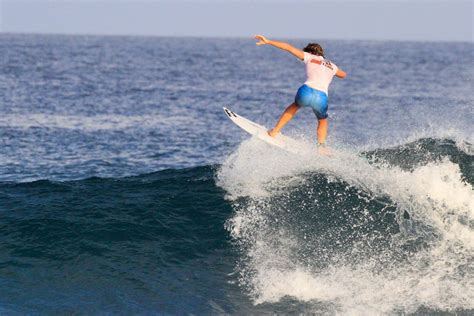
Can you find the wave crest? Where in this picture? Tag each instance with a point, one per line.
(368, 233)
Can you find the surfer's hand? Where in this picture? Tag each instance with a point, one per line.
(262, 40)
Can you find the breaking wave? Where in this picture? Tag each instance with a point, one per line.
(390, 230)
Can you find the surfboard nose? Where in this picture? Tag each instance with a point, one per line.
(229, 112)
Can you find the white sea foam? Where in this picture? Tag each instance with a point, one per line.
(435, 194)
(462, 138)
(89, 123)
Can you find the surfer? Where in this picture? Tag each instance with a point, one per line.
(314, 92)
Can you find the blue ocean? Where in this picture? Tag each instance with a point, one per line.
(125, 189)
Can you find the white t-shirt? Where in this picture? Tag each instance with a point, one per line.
(319, 72)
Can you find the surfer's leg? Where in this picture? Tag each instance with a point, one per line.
(285, 118)
(322, 131)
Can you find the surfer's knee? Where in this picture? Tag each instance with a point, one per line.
(323, 121)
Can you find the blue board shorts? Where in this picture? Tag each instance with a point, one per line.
(315, 99)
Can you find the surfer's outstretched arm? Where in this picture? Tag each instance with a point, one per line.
(298, 53)
(341, 74)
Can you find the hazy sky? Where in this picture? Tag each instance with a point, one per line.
(349, 19)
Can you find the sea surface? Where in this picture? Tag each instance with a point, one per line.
(124, 189)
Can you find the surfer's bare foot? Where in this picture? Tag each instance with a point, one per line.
(272, 133)
(323, 150)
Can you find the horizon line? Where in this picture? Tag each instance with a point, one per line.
(231, 37)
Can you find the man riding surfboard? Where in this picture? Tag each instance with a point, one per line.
(314, 92)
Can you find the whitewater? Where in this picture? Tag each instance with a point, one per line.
(376, 260)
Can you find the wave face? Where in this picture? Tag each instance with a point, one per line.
(127, 245)
(385, 231)
(380, 232)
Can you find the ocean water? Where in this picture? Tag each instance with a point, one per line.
(124, 189)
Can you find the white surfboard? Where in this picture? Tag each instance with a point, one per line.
(260, 131)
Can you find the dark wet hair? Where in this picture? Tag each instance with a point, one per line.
(315, 49)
